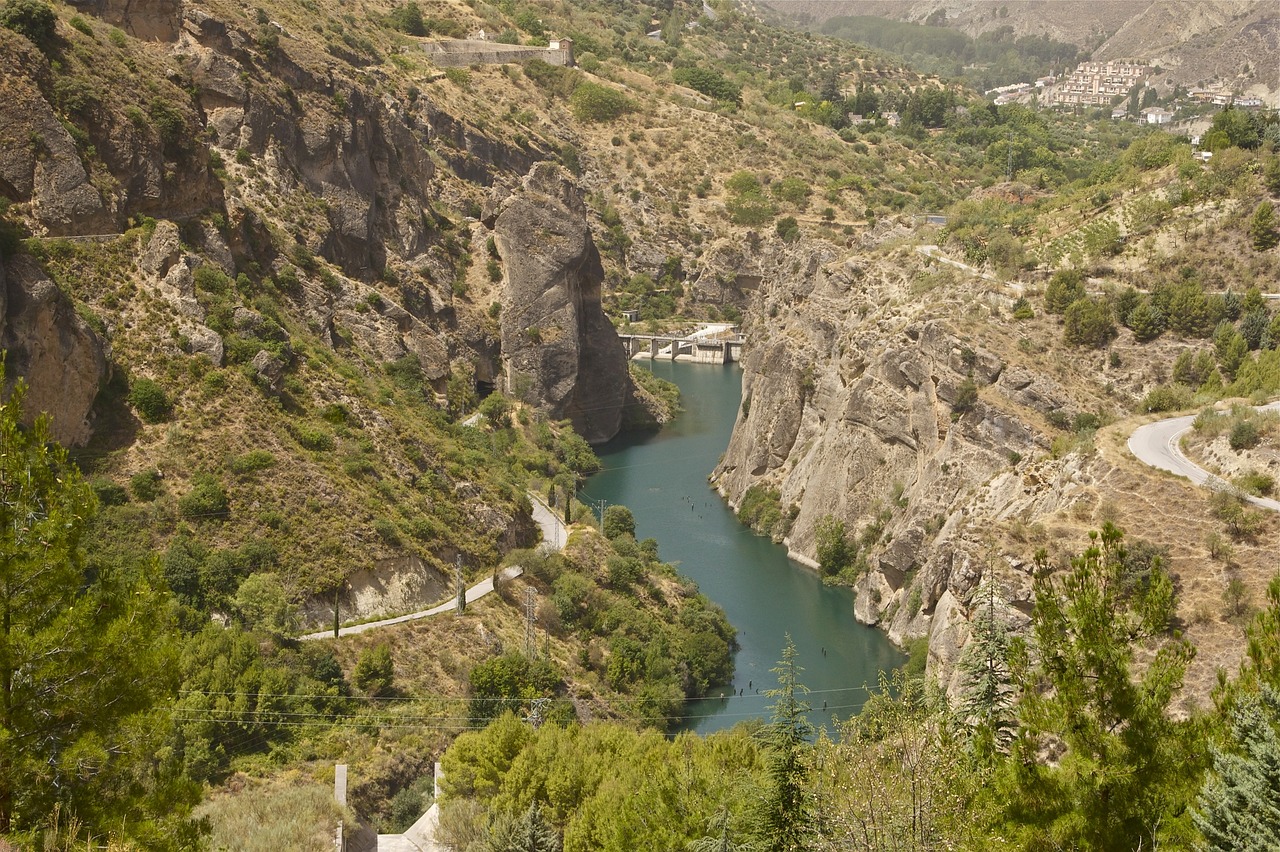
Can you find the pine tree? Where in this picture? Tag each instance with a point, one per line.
(1262, 227)
(528, 832)
(987, 701)
(84, 660)
(1128, 771)
(786, 823)
(1240, 801)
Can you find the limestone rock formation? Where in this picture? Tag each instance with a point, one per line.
(61, 358)
(855, 405)
(560, 351)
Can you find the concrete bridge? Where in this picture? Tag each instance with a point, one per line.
(700, 350)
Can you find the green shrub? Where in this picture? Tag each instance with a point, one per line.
(150, 400)
(618, 521)
(597, 103)
(1256, 483)
(1166, 398)
(207, 499)
(109, 493)
(145, 485)
(33, 19)
(252, 461)
(374, 671)
(1065, 287)
(966, 397)
(313, 437)
(1087, 322)
(788, 229)
(408, 19)
(713, 84)
(1244, 436)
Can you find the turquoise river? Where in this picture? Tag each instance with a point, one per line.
(662, 478)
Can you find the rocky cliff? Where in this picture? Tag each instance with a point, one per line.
(559, 349)
(893, 399)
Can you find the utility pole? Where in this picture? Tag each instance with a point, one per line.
(462, 589)
(337, 592)
(530, 623)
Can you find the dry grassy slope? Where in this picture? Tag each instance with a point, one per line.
(1203, 43)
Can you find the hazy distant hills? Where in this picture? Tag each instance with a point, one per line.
(1235, 43)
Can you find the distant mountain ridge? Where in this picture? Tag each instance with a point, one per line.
(1199, 42)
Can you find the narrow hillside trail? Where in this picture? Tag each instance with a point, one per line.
(1158, 445)
(554, 536)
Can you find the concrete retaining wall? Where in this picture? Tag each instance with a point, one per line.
(462, 52)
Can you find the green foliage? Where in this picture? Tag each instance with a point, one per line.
(598, 103)
(1129, 770)
(747, 203)
(86, 663)
(1087, 322)
(711, 83)
(835, 550)
(618, 521)
(1066, 287)
(1244, 436)
(145, 485)
(987, 701)
(787, 813)
(761, 509)
(374, 672)
(528, 832)
(407, 18)
(1166, 398)
(1237, 804)
(251, 462)
(264, 604)
(149, 398)
(590, 779)
(788, 229)
(1262, 227)
(509, 682)
(206, 501)
(1146, 320)
(33, 19)
(966, 398)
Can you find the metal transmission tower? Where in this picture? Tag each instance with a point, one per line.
(530, 624)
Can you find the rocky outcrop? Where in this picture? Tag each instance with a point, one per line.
(38, 158)
(149, 20)
(857, 404)
(48, 345)
(560, 351)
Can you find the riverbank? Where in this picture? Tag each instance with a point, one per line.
(662, 478)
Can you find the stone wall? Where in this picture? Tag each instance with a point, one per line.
(462, 52)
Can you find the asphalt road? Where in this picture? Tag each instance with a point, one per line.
(554, 536)
(1159, 445)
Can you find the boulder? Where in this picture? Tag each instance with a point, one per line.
(559, 350)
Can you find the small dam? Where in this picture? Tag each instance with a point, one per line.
(718, 347)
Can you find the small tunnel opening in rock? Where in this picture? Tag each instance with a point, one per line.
(483, 388)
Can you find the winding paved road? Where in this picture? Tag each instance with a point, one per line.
(1159, 445)
(554, 536)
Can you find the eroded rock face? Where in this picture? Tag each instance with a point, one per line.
(560, 351)
(61, 358)
(854, 407)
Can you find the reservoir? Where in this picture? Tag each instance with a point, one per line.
(662, 478)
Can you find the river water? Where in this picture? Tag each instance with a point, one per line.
(662, 478)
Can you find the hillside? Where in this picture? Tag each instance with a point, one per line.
(1196, 43)
(316, 310)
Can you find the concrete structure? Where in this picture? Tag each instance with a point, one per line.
(460, 52)
(1157, 116)
(700, 350)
